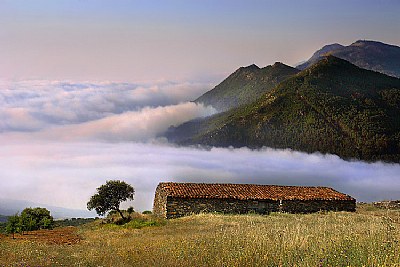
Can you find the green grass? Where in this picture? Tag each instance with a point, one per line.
(365, 238)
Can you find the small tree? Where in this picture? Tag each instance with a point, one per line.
(25, 222)
(109, 196)
(36, 218)
(13, 225)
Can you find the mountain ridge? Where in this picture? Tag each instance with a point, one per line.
(367, 54)
(331, 107)
(245, 85)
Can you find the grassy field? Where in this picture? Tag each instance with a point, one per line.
(369, 237)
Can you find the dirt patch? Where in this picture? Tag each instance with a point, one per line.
(64, 236)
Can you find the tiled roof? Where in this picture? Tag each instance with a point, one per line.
(250, 191)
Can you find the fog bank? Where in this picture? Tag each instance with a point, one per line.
(67, 174)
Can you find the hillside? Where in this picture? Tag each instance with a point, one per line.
(245, 85)
(369, 55)
(332, 107)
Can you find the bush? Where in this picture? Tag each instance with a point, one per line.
(135, 220)
(147, 212)
(36, 218)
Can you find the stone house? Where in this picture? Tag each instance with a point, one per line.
(173, 200)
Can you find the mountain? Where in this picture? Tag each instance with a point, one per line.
(10, 207)
(369, 55)
(332, 107)
(3, 219)
(245, 85)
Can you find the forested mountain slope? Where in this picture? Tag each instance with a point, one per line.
(246, 85)
(331, 107)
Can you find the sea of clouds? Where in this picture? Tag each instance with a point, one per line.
(46, 106)
(61, 140)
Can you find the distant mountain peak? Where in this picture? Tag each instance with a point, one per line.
(245, 85)
(328, 48)
(279, 64)
(364, 42)
(250, 67)
(367, 54)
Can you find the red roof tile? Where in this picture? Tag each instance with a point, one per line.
(250, 191)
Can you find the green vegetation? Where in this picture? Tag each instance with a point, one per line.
(133, 220)
(246, 85)
(147, 212)
(35, 218)
(29, 220)
(109, 196)
(73, 222)
(332, 107)
(365, 238)
(3, 228)
(13, 225)
(3, 222)
(130, 210)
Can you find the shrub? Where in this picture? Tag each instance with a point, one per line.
(13, 225)
(36, 218)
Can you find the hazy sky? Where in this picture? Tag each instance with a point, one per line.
(177, 40)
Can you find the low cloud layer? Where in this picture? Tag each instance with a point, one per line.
(60, 141)
(143, 125)
(112, 112)
(35, 105)
(66, 174)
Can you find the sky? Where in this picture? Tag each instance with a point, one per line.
(88, 86)
(177, 40)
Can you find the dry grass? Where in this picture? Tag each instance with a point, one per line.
(365, 238)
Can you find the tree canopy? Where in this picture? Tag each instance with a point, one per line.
(36, 218)
(109, 197)
(30, 219)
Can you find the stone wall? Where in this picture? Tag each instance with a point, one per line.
(160, 203)
(178, 207)
(307, 206)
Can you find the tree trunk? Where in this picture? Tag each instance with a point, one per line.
(120, 212)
